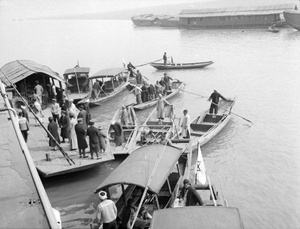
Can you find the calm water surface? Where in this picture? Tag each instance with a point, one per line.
(257, 166)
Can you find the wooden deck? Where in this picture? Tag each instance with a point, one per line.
(38, 145)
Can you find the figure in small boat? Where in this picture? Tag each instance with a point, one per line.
(119, 134)
(165, 58)
(139, 77)
(215, 97)
(189, 195)
(161, 103)
(125, 118)
(130, 68)
(185, 125)
(137, 91)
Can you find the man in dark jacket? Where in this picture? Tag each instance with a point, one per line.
(53, 129)
(214, 97)
(190, 195)
(64, 123)
(83, 114)
(94, 135)
(81, 138)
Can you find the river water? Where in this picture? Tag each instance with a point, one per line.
(257, 166)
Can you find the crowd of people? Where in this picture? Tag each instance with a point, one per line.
(145, 92)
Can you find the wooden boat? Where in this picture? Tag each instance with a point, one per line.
(148, 19)
(128, 130)
(176, 87)
(161, 66)
(292, 18)
(153, 170)
(152, 130)
(112, 81)
(193, 216)
(273, 29)
(78, 85)
(206, 125)
(210, 216)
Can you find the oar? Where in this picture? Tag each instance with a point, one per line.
(218, 105)
(148, 63)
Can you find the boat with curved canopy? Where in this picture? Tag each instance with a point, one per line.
(111, 81)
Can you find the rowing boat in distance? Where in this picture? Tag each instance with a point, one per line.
(162, 66)
(123, 131)
(206, 125)
(176, 86)
(110, 82)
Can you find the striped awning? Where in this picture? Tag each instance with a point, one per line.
(18, 70)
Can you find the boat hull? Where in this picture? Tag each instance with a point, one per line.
(161, 66)
(292, 18)
(107, 96)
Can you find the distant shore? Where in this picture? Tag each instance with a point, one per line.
(172, 9)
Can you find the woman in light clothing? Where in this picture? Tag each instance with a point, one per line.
(72, 135)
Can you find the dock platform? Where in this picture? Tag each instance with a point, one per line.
(38, 145)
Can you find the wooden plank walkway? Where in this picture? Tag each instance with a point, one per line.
(38, 145)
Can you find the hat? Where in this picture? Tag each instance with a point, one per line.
(186, 181)
(53, 99)
(99, 127)
(71, 100)
(79, 119)
(165, 74)
(92, 121)
(23, 107)
(63, 111)
(102, 195)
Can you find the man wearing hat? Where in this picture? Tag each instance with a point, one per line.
(81, 138)
(190, 195)
(64, 123)
(167, 81)
(106, 212)
(94, 136)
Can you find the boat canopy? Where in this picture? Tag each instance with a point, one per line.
(194, 216)
(79, 70)
(109, 72)
(137, 168)
(21, 69)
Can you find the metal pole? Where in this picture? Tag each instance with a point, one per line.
(36, 179)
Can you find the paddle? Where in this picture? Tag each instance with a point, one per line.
(148, 63)
(218, 105)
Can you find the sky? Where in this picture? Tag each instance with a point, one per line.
(20, 9)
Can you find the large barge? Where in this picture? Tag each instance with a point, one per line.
(219, 18)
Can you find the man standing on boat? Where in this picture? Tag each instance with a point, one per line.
(106, 213)
(130, 68)
(139, 77)
(190, 195)
(81, 138)
(160, 105)
(94, 135)
(165, 58)
(215, 97)
(64, 123)
(185, 125)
